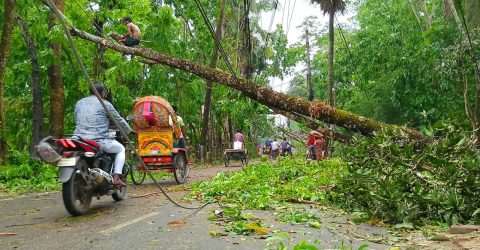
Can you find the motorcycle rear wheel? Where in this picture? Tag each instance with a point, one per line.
(76, 195)
(119, 193)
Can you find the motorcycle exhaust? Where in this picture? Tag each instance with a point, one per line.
(100, 177)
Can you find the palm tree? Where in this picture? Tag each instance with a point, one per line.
(330, 7)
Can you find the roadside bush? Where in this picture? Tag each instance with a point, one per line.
(23, 175)
(397, 181)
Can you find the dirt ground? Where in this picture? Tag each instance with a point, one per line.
(147, 220)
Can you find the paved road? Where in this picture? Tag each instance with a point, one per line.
(140, 222)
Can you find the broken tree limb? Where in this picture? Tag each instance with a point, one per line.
(292, 136)
(306, 120)
(313, 124)
(264, 95)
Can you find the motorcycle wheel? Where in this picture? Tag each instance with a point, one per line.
(180, 168)
(76, 195)
(119, 193)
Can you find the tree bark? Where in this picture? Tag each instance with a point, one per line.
(37, 112)
(208, 84)
(331, 40)
(264, 95)
(98, 69)
(55, 80)
(5, 42)
(309, 71)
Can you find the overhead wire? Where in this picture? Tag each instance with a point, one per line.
(268, 33)
(291, 16)
(93, 22)
(216, 40)
(61, 18)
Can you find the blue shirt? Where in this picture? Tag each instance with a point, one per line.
(91, 120)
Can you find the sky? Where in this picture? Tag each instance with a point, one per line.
(296, 11)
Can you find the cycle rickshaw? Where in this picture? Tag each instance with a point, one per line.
(156, 124)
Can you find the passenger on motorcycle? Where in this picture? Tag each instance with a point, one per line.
(92, 122)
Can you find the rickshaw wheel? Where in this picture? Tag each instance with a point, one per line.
(137, 174)
(180, 168)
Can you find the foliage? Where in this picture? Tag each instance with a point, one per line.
(399, 181)
(267, 185)
(23, 175)
(297, 217)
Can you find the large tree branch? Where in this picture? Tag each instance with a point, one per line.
(261, 94)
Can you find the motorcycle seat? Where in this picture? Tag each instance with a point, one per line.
(92, 142)
(94, 147)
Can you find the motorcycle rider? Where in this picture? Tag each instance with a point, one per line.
(92, 122)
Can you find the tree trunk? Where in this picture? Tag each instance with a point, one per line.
(37, 112)
(331, 40)
(55, 80)
(264, 95)
(5, 42)
(98, 69)
(208, 83)
(309, 71)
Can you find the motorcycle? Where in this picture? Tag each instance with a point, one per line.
(85, 171)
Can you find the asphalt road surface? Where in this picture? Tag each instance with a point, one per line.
(141, 221)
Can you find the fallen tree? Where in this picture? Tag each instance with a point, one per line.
(313, 124)
(264, 95)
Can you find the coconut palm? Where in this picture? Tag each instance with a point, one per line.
(331, 7)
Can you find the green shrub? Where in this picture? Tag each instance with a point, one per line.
(398, 181)
(24, 175)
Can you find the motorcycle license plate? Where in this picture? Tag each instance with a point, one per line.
(67, 162)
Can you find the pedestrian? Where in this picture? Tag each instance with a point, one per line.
(311, 145)
(275, 150)
(286, 147)
(183, 134)
(318, 144)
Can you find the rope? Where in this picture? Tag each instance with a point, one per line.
(61, 18)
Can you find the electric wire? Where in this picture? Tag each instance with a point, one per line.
(291, 16)
(61, 18)
(283, 11)
(216, 40)
(268, 33)
(86, 16)
(93, 22)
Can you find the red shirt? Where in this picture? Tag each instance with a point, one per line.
(318, 143)
(311, 140)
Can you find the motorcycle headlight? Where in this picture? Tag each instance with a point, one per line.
(47, 152)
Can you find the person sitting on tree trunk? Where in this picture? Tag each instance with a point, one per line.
(131, 39)
(133, 36)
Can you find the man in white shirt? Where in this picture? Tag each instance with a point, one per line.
(275, 150)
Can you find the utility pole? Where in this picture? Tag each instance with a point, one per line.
(309, 71)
